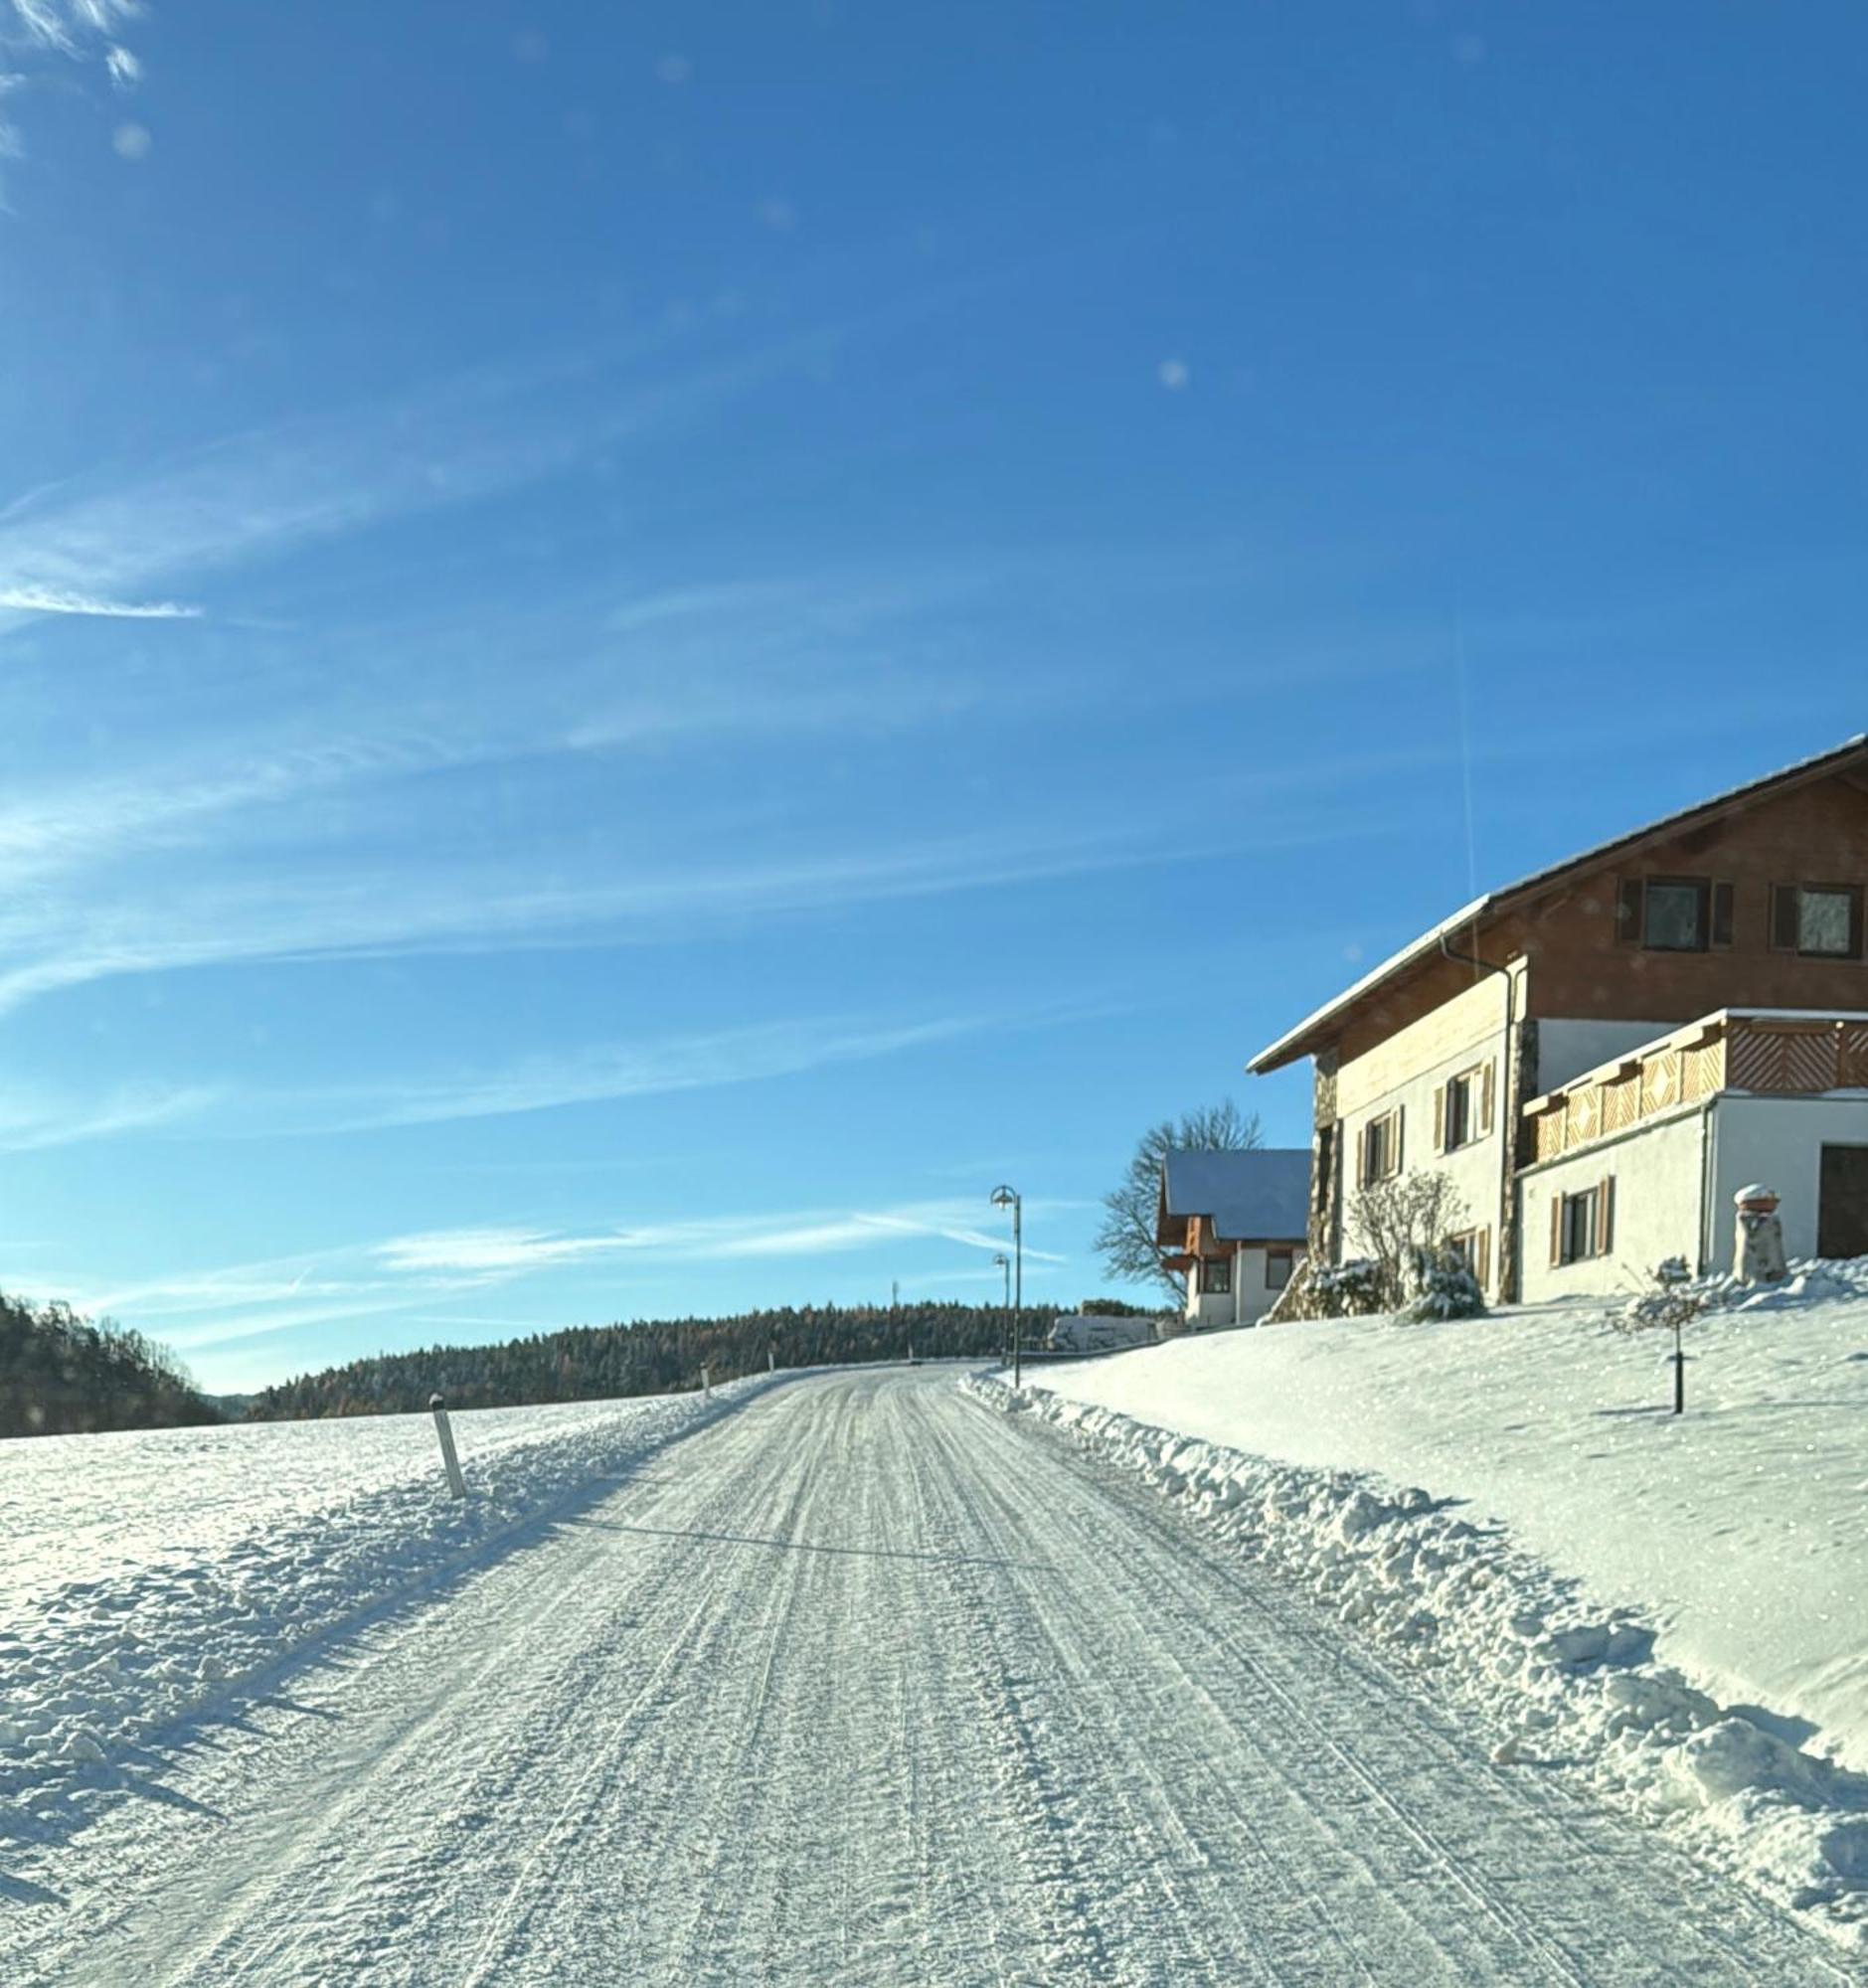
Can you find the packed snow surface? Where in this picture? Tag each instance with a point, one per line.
(861, 1683)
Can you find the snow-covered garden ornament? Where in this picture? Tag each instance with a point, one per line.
(1758, 1246)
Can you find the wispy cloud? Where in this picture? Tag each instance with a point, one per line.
(33, 32)
(260, 494)
(499, 1252)
(30, 1124)
(593, 1075)
(53, 601)
(633, 1069)
(428, 908)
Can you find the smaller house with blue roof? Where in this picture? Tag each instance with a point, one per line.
(1234, 1223)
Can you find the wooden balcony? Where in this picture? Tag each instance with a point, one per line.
(1775, 1053)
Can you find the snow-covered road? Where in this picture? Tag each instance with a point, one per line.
(865, 1683)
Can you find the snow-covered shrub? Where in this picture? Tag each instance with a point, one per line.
(1673, 1302)
(1444, 1287)
(1397, 1223)
(1349, 1290)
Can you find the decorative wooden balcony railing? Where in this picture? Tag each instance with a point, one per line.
(1780, 1054)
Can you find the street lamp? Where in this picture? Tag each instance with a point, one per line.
(1005, 1197)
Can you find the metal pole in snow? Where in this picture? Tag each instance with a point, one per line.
(1679, 1373)
(1009, 1197)
(449, 1462)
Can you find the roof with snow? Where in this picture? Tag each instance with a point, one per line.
(1315, 1030)
(1259, 1196)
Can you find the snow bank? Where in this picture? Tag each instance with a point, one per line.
(1560, 1629)
(1737, 1530)
(178, 1563)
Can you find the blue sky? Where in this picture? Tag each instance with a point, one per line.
(642, 648)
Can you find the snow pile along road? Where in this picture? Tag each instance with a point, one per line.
(160, 1601)
(1553, 1672)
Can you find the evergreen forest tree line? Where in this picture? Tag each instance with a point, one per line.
(64, 1375)
(651, 1357)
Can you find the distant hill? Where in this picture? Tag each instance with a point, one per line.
(63, 1374)
(652, 1357)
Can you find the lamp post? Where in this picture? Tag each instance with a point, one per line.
(1004, 1263)
(1005, 1197)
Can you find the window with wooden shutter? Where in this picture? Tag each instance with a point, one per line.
(1676, 912)
(1816, 921)
(1722, 914)
(1486, 1086)
(1483, 1268)
(1783, 918)
(1628, 912)
(1556, 1231)
(1605, 1215)
(1439, 1117)
(1400, 1119)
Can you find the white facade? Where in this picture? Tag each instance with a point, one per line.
(1251, 1295)
(1656, 1185)
(1407, 1074)
(1566, 1048)
(1779, 1141)
(1671, 1184)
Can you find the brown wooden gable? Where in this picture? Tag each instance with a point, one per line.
(1807, 825)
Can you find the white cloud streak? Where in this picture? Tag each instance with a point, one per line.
(500, 1252)
(258, 495)
(603, 1073)
(52, 600)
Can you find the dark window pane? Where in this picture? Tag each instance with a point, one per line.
(1676, 920)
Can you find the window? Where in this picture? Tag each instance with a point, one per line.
(1381, 1147)
(1674, 913)
(1818, 920)
(1674, 916)
(1277, 1264)
(1579, 1224)
(1216, 1274)
(1462, 1108)
(1473, 1248)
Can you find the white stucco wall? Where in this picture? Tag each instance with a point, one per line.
(1779, 1141)
(1413, 1065)
(1659, 1175)
(1566, 1048)
(1207, 1309)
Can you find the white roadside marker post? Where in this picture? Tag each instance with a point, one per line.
(706, 1386)
(449, 1462)
(771, 1360)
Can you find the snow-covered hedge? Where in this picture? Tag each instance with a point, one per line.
(1547, 1679)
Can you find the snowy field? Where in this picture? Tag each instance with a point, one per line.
(145, 1573)
(1682, 1605)
(102, 1505)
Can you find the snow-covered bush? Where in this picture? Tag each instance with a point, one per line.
(1400, 1223)
(1673, 1302)
(1349, 1290)
(1444, 1287)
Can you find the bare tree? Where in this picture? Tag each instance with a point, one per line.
(1125, 1241)
(1400, 1223)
